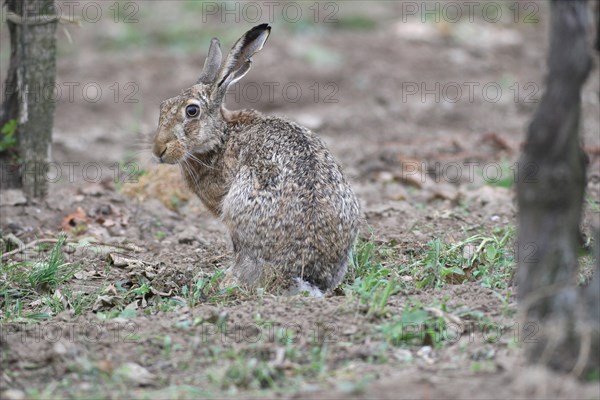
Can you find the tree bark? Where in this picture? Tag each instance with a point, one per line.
(551, 184)
(28, 94)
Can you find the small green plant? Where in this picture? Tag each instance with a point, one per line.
(435, 265)
(207, 290)
(48, 274)
(250, 373)
(12, 310)
(479, 257)
(142, 290)
(175, 202)
(9, 139)
(55, 302)
(362, 258)
(23, 283)
(493, 261)
(368, 278)
(318, 360)
(506, 305)
(380, 297)
(167, 346)
(167, 304)
(79, 301)
(478, 366)
(504, 176)
(415, 326)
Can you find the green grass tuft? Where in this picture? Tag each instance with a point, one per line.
(25, 282)
(415, 326)
(369, 279)
(487, 258)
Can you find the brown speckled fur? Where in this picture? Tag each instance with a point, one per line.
(275, 185)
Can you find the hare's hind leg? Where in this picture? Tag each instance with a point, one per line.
(243, 272)
(247, 270)
(340, 272)
(259, 273)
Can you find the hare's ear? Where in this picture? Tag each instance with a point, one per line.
(212, 63)
(239, 59)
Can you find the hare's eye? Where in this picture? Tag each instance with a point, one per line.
(192, 110)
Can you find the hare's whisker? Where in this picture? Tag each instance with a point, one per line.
(190, 171)
(196, 159)
(194, 176)
(184, 169)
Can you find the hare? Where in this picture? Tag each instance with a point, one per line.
(284, 199)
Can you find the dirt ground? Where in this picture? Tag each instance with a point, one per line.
(426, 119)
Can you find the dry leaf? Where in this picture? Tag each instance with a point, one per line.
(118, 260)
(75, 219)
(108, 223)
(104, 302)
(86, 274)
(12, 197)
(497, 141)
(448, 318)
(92, 189)
(159, 293)
(105, 366)
(111, 289)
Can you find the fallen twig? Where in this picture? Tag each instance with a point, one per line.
(40, 241)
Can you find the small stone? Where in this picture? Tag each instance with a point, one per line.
(403, 355)
(12, 197)
(93, 189)
(117, 260)
(426, 354)
(13, 394)
(59, 348)
(187, 236)
(350, 330)
(14, 227)
(135, 373)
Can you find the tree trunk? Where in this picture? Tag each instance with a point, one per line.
(28, 94)
(551, 184)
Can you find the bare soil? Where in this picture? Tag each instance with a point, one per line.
(401, 151)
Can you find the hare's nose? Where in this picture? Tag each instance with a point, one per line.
(159, 151)
(161, 155)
